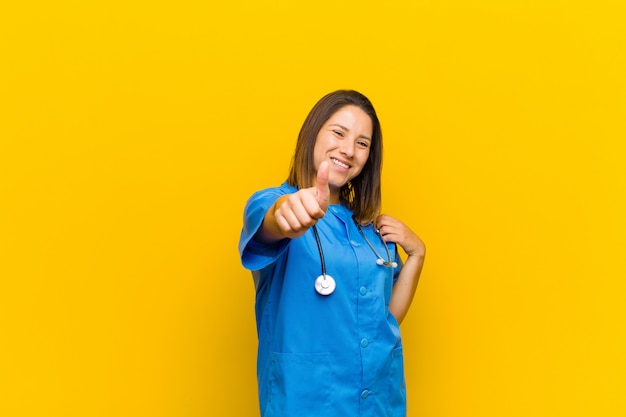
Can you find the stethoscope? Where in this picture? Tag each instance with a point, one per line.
(325, 284)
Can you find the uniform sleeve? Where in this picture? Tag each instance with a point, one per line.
(256, 255)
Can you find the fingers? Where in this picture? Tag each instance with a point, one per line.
(291, 219)
(387, 225)
(393, 230)
(302, 209)
(298, 212)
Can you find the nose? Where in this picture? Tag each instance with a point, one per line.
(347, 148)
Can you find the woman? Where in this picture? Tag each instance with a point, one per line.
(331, 288)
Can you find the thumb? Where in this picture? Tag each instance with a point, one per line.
(322, 191)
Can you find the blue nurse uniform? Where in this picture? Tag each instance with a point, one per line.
(324, 356)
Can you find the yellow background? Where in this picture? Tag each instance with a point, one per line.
(132, 133)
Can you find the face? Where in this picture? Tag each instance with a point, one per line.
(344, 141)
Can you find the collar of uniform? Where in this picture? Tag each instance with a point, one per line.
(344, 214)
(341, 212)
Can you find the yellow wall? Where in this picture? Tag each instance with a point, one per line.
(131, 134)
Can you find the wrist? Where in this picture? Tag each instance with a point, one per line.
(418, 253)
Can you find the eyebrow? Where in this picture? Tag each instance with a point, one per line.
(347, 130)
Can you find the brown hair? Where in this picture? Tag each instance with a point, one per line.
(366, 192)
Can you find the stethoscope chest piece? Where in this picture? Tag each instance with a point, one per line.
(325, 284)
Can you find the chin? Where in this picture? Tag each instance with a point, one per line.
(337, 184)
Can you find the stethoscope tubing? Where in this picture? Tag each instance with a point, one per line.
(325, 284)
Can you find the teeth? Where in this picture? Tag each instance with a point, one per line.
(342, 165)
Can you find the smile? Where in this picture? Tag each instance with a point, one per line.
(339, 163)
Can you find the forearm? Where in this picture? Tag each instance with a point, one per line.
(270, 232)
(405, 286)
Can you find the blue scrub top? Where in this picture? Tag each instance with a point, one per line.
(324, 356)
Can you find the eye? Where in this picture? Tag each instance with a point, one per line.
(338, 133)
(363, 144)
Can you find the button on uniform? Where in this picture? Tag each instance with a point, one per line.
(364, 343)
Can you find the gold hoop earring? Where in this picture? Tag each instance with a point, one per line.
(347, 192)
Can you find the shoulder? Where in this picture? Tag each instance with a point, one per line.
(278, 191)
(267, 196)
(263, 199)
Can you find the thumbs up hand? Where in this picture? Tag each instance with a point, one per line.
(295, 213)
